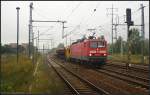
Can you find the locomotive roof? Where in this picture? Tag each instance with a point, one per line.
(94, 40)
(88, 40)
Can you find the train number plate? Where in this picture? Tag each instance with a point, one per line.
(93, 51)
(101, 51)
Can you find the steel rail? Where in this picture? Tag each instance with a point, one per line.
(124, 62)
(124, 78)
(67, 82)
(128, 75)
(101, 91)
(138, 66)
(124, 67)
(128, 79)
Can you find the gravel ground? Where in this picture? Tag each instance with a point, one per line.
(131, 72)
(113, 85)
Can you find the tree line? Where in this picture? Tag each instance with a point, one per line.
(136, 44)
(8, 49)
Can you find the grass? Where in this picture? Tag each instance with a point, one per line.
(135, 59)
(19, 77)
(46, 80)
(15, 77)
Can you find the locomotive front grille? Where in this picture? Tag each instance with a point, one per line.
(97, 58)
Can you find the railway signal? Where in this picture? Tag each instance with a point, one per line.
(129, 23)
(128, 17)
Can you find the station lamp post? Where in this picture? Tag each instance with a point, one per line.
(17, 32)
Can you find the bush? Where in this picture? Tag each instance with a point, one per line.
(13, 75)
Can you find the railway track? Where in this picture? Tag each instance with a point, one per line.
(144, 69)
(69, 91)
(127, 74)
(132, 79)
(76, 83)
(124, 62)
(136, 80)
(137, 87)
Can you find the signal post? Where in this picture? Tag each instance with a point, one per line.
(129, 23)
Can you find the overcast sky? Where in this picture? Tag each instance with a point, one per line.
(80, 16)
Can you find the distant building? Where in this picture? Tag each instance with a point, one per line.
(12, 45)
(24, 45)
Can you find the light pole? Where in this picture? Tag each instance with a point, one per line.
(17, 31)
(30, 29)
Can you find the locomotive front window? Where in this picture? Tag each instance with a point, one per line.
(93, 44)
(101, 44)
(97, 44)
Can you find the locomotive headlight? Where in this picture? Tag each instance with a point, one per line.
(104, 54)
(90, 54)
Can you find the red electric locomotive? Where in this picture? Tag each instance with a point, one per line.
(89, 50)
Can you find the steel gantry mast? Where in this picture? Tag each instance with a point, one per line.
(31, 39)
(112, 13)
(143, 32)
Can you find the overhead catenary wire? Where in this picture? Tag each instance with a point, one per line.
(44, 32)
(40, 15)
(92, 13)
(41, 26)
(77, 6)
(97, 5)
(132, 13)
(65, 10)
(100, 25)
(43, 16)
(77, 26)
(86, 19)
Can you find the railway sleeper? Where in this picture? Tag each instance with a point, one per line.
(101, 91)
(124, 78)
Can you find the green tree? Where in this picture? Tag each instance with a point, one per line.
(135, 41)
(8, 49)
(117, 45)
(136, 44)
(61, 45)
(146, 46)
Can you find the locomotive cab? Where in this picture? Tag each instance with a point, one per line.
(97, 50)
